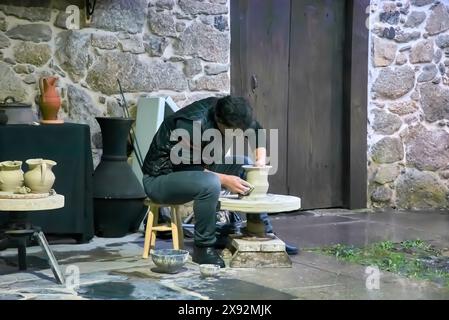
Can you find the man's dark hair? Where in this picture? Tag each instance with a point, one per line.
(234, 112)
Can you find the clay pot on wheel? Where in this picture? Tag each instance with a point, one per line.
(258, 178)
(49, 101)
(11, 175)
(39, 178)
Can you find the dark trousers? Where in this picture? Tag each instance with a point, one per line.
(204, 189)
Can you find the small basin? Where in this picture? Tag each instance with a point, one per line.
(169, 260)
(209, 270)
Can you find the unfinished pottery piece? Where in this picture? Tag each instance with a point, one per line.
(11, 175)
(39, 178)
(258, 178)
(169, 260)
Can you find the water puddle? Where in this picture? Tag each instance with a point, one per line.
(131, 290)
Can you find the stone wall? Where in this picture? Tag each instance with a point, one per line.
(180, 48)
(408, 132)
(177, 48)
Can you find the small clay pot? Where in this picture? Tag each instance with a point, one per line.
(39, 178)
(11, 175)
(258, 178)
(49, 101)
(209, 270)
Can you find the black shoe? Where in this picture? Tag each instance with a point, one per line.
(221, 243)
(207, 255)
(291, 250)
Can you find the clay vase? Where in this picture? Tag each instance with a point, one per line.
(49, 101)
(11, 175)
(118, 194)
(39, 178)
(258, 178)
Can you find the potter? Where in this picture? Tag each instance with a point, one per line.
(11, 175)
(167, 180)
(39, 178)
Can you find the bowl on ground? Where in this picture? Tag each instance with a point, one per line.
(169, 260)
(209, 270)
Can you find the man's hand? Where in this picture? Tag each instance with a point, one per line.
(235, 184)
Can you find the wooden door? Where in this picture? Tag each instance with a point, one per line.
(288, 59)
(259, 68)
(315, 111)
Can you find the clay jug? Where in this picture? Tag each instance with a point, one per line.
(11, 175)
(258, 178)
(49, 101)
(39, 178)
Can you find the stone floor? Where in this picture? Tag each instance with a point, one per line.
(113, 269)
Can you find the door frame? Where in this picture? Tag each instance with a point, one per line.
(355, 96)
(356, 103)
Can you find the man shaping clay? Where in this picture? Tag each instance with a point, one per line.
(167, 180)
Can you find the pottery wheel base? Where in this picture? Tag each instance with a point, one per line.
(259, 253)
(19, 230)
(259, 250)
(51, 121)
(255, 237)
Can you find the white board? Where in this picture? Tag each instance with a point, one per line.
(151, 112)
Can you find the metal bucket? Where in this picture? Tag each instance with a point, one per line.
(18, 113)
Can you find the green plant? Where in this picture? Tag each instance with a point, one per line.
(409, 258)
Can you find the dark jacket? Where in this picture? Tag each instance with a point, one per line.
(157, 161)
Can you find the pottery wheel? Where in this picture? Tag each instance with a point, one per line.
(51, 202)
(270, 203)
(11, 195)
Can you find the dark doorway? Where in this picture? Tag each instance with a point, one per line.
(292, 59)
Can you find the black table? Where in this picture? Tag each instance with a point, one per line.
(69, 145)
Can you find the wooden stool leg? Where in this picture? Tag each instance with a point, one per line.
(177, 232)
(180, 231)
(146, 244)
(155, 211)
(174, 227)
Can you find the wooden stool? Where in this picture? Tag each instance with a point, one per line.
(153, 227)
